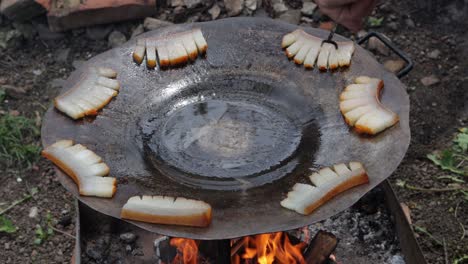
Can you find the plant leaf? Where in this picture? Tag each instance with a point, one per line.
(462, 139)
(453, 178)
(446, 161)
(375, 22)
(6, 225)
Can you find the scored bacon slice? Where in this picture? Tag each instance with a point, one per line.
(328, 182)
(83, 166)
(308, 50)
(167, 210)
(172, 50)
(95, 89)
(361, 107)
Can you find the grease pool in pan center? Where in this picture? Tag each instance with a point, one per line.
(228, 143)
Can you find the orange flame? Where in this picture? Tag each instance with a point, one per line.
(268, 248)
(187, 251)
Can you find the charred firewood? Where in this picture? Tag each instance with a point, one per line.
(320, 248)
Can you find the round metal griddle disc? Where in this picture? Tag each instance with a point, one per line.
(236, 129)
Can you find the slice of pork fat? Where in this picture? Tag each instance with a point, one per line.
(172, 50)
(82, 165)
(308, 50)
(167, 210)
(328, 182)
(361, 107)
(94, 90)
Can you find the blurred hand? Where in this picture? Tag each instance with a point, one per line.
(349, 13)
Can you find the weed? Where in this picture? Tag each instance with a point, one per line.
(455, 158)
(374, 21)
(424, 231)
(17, 140)
(6, 225)
(44, 233)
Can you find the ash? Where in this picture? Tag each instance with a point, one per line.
(365, 231)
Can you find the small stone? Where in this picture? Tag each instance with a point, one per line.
(291, 16)
(138, 30)
(397, 259)
(46, 34)
(234, 7)
(279, 8)
(128, 248)
(192, 3)
(393, 26)
(434, 54)
(410, 23)
(214, 11)
(307, 20)
(308, 8)
(394, 65)
(65, 220)
(37, 72)
(429, 80)
(7, 246)
(93, 253)
(9, 38)
(176, 3)
(361, 33)
(251, 5)
(128, 237)
(375, 44)
(153, 23)
(116, 38)
(13, 91)
(15, 113)
(99, 32)
(33, 212)
(62, 55)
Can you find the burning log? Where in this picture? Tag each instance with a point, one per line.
(320, 248)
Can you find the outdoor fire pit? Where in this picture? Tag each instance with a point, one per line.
(235, 129)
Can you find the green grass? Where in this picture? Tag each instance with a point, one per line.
(18, 141)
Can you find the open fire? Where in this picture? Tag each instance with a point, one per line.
(268, 249)
(187, 251)
(259, 249)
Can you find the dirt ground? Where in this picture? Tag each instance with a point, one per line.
(437, 111)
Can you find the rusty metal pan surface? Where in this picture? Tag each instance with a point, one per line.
(237, 129)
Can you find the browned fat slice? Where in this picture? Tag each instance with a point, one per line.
(308, 50)
(83, 166)
(172, 50)
(139, 52)
(94, 90)
(151, 53)
(328, 182)
(167, 210)
(361, 107)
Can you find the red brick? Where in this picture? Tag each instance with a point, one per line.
(73, 14)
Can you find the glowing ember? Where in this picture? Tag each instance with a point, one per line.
(270, 248)
(187, 251)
